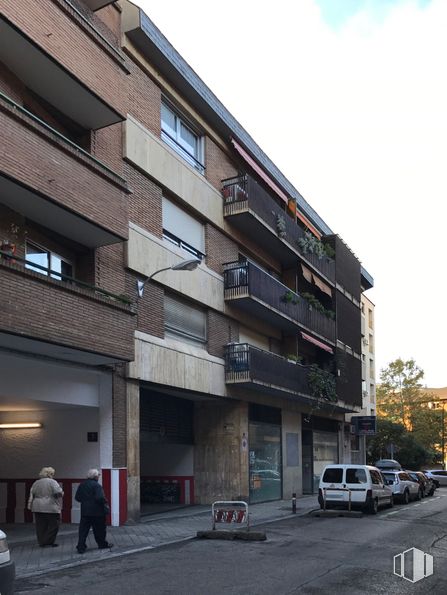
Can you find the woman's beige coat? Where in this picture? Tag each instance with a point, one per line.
(45, 496)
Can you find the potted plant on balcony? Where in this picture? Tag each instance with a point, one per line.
(8, 250)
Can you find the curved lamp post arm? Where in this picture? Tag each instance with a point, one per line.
(184, 265)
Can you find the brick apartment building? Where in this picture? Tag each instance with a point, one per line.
(228, 381)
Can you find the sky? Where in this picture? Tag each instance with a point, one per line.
(349, 99)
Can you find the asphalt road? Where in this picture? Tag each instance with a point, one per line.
(301, 555)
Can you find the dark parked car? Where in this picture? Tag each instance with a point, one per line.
(426, 486)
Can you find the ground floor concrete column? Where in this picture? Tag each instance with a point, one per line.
(133, 449)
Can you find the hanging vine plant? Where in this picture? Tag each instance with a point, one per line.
(322, 384)
(309, 244)
(281, 226)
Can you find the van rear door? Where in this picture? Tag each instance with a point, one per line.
(331, 481)
(356, 480)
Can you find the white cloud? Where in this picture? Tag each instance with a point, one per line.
(356, 118)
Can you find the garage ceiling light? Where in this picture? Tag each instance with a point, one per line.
(20, 426)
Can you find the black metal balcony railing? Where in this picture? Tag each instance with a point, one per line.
(29, 265)
(244, 193)
(267, 372)
(262, 294)
(244, 363)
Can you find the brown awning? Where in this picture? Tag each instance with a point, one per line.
(322, 285)
(261, 173)
(317, 342)
(306, 273)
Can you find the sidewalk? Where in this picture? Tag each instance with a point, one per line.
(153, 531)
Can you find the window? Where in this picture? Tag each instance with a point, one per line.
(333, 475)
(185, 321)
(356, 475)
(48, 263)
(370, 318)
(376, 478)
(181, 229)
(181, 137)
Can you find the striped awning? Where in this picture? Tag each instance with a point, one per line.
(317, 342)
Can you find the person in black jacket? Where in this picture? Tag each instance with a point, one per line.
(94, 508)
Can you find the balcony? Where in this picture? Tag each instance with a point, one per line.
(253, 211)
(61, 317)
(252, 368)
(254, 291)
(52, 181)
(65, 60)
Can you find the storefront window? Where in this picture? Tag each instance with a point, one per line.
(265, 462)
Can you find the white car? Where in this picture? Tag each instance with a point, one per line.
(364, 484)
(404, 488)
(7, 568)
(439, 476)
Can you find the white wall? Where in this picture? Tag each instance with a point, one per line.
(61, 443)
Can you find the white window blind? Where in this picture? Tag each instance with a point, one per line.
(184, 321)
(182, 225)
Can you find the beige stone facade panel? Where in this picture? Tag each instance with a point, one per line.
(176, 364)
(157, 160)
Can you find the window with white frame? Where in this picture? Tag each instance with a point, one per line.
(48, 263)
(183, 230)
(181, 136)
(184, 321)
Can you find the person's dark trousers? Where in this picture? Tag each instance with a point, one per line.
(47, 526)
(98, 524)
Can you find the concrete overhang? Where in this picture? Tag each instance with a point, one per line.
(46, 77)
(367, 280)
(97, 4)
(42, 349)
(43, 211)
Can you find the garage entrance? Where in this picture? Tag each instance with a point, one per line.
(166, 451)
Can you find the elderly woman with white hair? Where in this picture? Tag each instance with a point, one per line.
(94, 508)
(45, 501)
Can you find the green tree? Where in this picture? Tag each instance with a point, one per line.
(400, 387)
(410, 453)
(400, 399)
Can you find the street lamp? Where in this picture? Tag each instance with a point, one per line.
(184, 265)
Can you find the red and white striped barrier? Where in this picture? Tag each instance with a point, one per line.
(185, 483)
(14, 495)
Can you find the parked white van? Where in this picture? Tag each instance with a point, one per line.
(363, 484)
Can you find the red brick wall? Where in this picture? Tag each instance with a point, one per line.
(221, 330)
(145, 202)
(119, 417)
(36, 306)
(219, 249)
(218, 164)
(106, 145)
(64, 37)
(144, 99)
(151, 310)
(74, 181)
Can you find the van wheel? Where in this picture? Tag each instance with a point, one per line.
(373, 506)
(391, 502)
(419, 496)
(406, 498)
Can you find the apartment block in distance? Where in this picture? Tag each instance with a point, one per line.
(229, 381)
